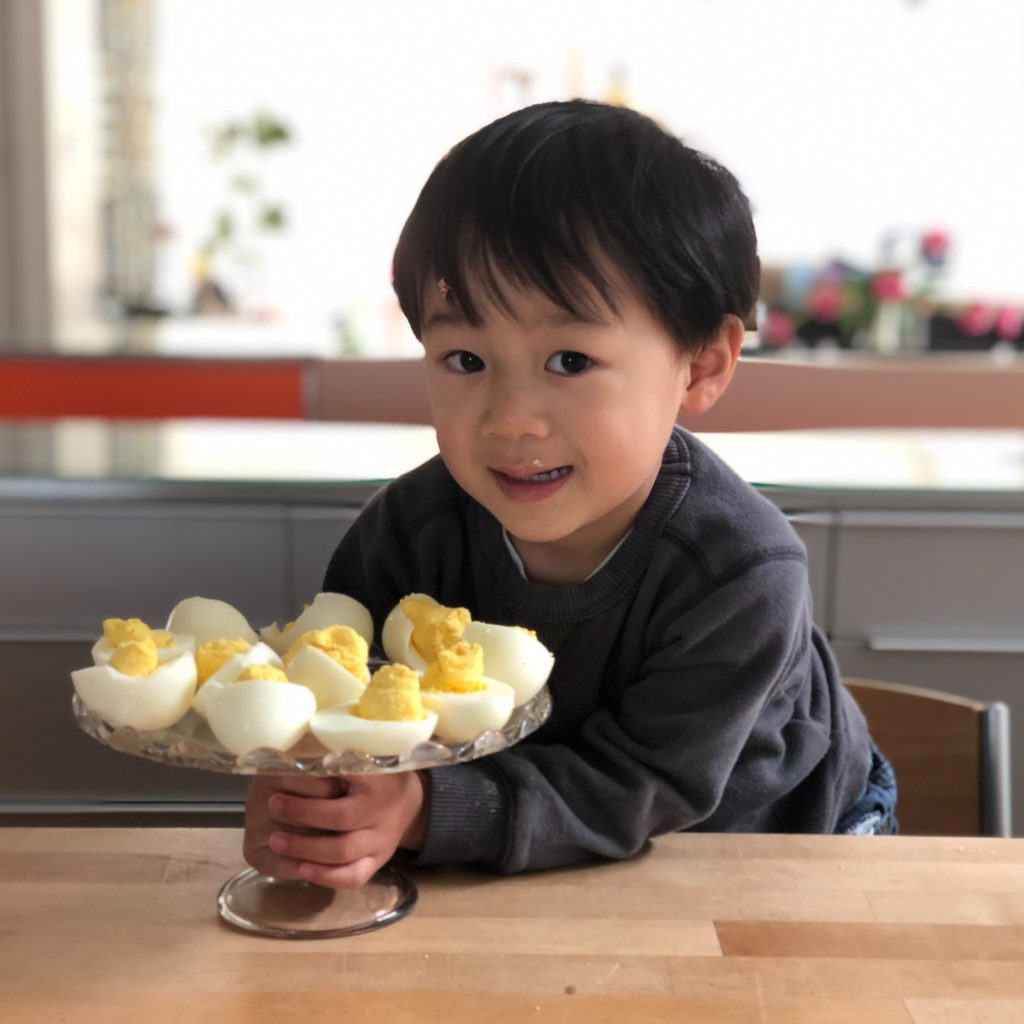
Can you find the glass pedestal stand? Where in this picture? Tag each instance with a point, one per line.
(295, 909)
(302, 910)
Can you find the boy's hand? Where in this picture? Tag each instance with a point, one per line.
(332, 831)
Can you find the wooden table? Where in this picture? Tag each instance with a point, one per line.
(111, 925)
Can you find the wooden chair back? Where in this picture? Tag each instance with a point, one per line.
(950, 756)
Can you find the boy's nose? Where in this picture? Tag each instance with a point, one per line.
(513, 412)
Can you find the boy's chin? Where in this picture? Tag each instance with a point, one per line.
(534, 533)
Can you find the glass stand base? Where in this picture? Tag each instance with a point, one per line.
(301, 910)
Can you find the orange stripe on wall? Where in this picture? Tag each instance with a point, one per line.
(150, 389)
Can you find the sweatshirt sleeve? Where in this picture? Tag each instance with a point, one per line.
(722, 718)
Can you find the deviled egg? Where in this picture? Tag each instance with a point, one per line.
(342, 644)
(134, 688)
(117, 632)
(466, 702)
(259, 709)
(417, 628)
(222, 671)
(388, 720)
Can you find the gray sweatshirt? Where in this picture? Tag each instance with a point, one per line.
(691, 689)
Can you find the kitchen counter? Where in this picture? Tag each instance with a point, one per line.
(320, 462)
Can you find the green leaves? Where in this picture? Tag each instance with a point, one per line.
(272, 217)
(261, 130)
(242, 143)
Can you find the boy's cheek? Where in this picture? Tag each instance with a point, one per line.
(453, 444)
(449, 422)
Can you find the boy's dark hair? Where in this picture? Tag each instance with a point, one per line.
(562, 196)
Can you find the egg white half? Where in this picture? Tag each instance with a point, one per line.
(396, 637)
(259, 713)
(461, 717)
(155, 701)
(330, 682)
(326, 610)
(513, 657)
(339, 730)
(206, 618)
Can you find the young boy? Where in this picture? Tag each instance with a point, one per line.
(578, 279)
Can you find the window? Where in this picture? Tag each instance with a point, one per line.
(843, 123)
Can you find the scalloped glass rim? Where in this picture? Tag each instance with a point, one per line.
(189, 743)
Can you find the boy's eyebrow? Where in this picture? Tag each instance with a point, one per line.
(445, 318)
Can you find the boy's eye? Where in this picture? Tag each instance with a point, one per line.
(463, 362)
(568, 363)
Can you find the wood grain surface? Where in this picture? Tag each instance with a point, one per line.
(112, 925)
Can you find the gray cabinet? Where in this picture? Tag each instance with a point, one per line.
(313, 534)
(815, 530)
(69, 566)
(51, 766)
(927, 597)
(930, 581)
(66, 567)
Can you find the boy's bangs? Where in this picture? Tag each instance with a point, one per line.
(481, 271)
(583, 203)
(541, 224)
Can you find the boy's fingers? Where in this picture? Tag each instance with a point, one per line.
(346, 876)
(318, 787)
(267, 862)
(337, 849)
(334, 876)
(328, 815)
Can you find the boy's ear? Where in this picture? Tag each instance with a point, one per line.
(712, 367)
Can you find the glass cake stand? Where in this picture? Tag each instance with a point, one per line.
(296, 909)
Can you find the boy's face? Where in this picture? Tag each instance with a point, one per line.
(556, 425)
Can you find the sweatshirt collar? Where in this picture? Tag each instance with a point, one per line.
(619, 571)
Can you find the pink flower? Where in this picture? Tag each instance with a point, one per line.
(825, 300)
(1009, 322)
(935, 247)
(976, 320)
(777, 329)
(887, 285)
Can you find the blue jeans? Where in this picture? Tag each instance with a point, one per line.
(874, 811)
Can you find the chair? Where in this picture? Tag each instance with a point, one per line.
(951, 756)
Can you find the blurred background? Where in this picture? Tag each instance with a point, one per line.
(204, 373)
(230, 177)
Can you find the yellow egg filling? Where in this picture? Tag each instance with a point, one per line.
(124, 631)
(214, 653)
(275, 675)
(458, 669)
(340, 643)
(392, 695)
(135, 658)
(434, 627)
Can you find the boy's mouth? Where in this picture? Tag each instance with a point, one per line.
(525, 486)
